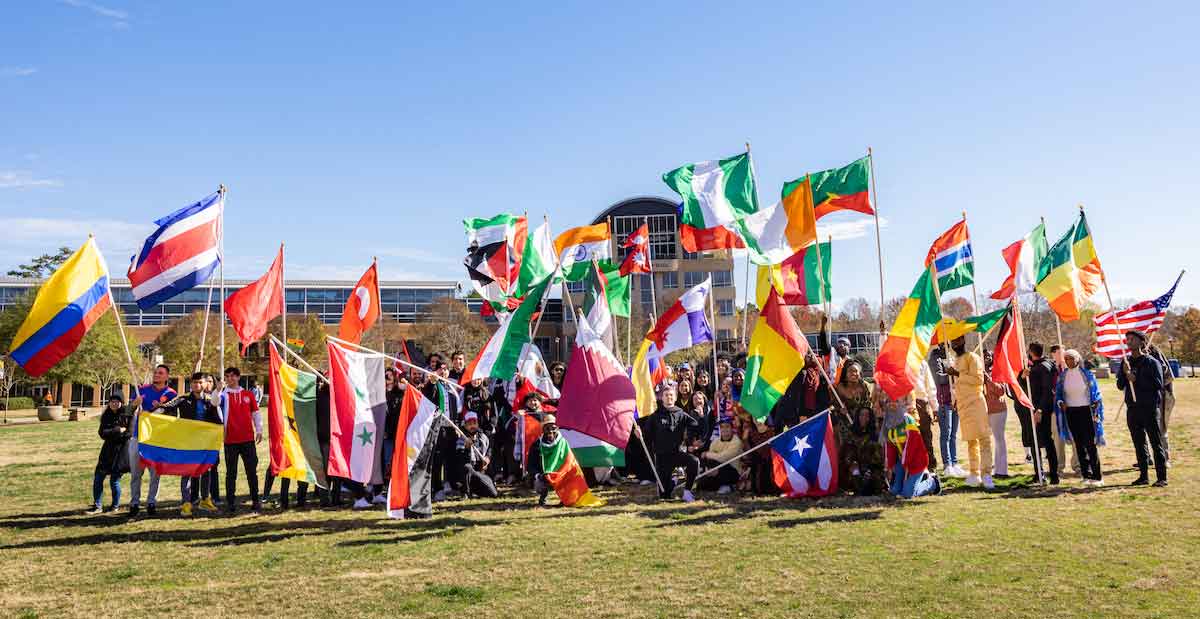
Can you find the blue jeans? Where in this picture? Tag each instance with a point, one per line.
(389, 447)
(948, 434)
(909, 486)
(114, 485)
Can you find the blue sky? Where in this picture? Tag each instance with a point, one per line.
(375, 129)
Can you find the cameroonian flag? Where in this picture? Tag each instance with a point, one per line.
(780, 230)
(292, 422)
(578, 247)
(898, 367)
(954, 328)
(715, 192)
(841, 189)
(802, 279)
(774, 357)
(590, 451)
(563, 472)
(1070, 272)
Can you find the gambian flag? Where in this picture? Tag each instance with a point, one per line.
(715, 192)
(174, 446)
(292, 421)
(841, 189)
(500, 355)
(954, 328)
(590, 451)
(774, 357)
(578, 247)
(802, 279)
(564, 474)
(1071, 272)
(898, 367)
(357, 412)
(418, 418)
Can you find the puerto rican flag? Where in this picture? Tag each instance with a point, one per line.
(180, 255)
(804, 459)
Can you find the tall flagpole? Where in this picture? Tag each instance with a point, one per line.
(650, 268)
(1112, 308)
(878, 241)
(746, 280)
(112, 300)
(1057, 323)
(204, 330)
(1039, 469)
(283, 293)
(221, 266)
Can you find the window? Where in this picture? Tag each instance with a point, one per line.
(723, 279)
(724, 334)
(670, 279)
(690, 255)
(663, 234)
(576, 287)
(644, 285)
(724, 307)
(694, 278)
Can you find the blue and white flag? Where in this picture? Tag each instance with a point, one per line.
(180, 255)
(805, 458)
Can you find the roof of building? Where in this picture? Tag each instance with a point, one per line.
(640, 205)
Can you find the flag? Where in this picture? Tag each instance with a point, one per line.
(637, 260)
(292, 420)
(494, 250)
(595, 306)
(591, 452)
(175, 446)
(774, 357)
(1023, 258)
(598, 397)
(539, 260)
(530, 430)
(682, 326)
(802, 279)
(180, 255)
(578, 247)
(251, 308)
(842, 189)
(357, 412)
(534, 377)
(66, 307)
(1008, 358)
(1070, 272)
(951, 255)
(955, 328)
(902, 357)
(616, 288)
(708, 239)
(1146, 317)
(419, 417)
(779, 231)
(805, 459)
(564, 475)
(362, 308)
(499, 356)
(715, 192)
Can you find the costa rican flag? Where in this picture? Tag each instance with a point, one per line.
(804, 459)
(181, 254)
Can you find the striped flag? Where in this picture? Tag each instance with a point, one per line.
(951, 254)
(1146, 317)
(180, 255)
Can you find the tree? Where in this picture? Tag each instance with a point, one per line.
(179, 344)
(448, 325)
(1187, 345)
(42, 266)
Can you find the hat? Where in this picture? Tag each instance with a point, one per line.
(549, 420)
(685, 366)
(471, 416)
(844, 340)
(1138, 334)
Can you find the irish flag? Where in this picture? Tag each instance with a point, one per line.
(802, 279)
(564, 474)
(898, 366)
(357, 412)
(1071, 272)
(292, 421)
(774, 357)
(842, 189)
(499, 357)
(778, 231)
(715, 192)
(578, 247)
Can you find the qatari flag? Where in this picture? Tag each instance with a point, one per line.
(597, 396)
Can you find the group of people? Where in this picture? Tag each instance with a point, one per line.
(884, 444)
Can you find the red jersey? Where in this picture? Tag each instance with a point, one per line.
(241, 416)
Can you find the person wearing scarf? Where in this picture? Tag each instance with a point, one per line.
(1077, 402)
(907, 459)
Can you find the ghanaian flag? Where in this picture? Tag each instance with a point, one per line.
(1070, 272)
(292, 422)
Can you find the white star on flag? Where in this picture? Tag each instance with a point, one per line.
(801, 445)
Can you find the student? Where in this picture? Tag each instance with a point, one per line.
(725, 447)
(115, 428)
(670, 426)
(997, 409)
(907, 459)
(152, 396)
(1077, 397)
(458, 366)
(947, 415)
(1141, 380)
(196, 406)
(473, 460)
(1041, 393)
(210, 482)
(972, 412)
(243, 431)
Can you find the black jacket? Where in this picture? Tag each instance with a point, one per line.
(395, 398)
(1147, 384)
(669, 427)
(323, 413)
(114, 455)
(1041, 385)
(191, 407)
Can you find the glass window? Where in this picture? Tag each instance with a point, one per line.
(294, 295)
(389, 295)
(724, 307)
(647, 292)
(694, 278)
(670, 279)
(724, 334)
(663, 234)
(723, 279)
(577, 287)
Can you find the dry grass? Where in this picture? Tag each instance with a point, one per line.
(1017, 551)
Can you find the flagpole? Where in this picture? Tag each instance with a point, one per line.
(1112, 308)
(112, 300)
(283, 294)
(650, 270)
(1057, 324)
(638, 431)
(878, 240)
(1038, 464)
(396, 359)
(283, 345)
(746, 280)
(221, 266)
(204, 330)
(712, 310)
(748, 451)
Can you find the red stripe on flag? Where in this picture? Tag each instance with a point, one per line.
(174, 251)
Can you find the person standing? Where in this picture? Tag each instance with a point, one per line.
(947, 415)
(1077, 396)
(997, 409)
(115, 429)
(1168, 396)
(152, 396)
(925, 392)
(243, 431)
(670, 426)
(1041, 393)
(972, 411)
(196, 406)
(1141, 380)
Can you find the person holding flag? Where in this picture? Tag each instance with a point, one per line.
(973, 415)
(1141, 380)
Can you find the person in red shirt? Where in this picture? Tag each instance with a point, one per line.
(243, 431)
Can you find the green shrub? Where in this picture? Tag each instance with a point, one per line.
(16, 404)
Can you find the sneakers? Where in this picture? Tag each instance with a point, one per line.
(1162, 483)
(133, 510)
(688, 497)
(379, 499)
(645, 482)
(94, 511)
(150, 510)
(988, 482)
(973, 481)
(937, 486)
(1141, 481)
(439, 496)
(363, 504)
(724, 489)
(186, 509)
(1093, 483)
(207, 505)
(955, 470)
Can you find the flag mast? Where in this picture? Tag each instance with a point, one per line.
(112, 300)
(878, 241)
(746, 280)
(1057, 322)
(283, 295)
(223, 190)
(1112, 308)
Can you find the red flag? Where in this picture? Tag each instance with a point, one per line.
(530, 430)
(707, 239)
(252, 307)
(1008, 359)
(1012, 257)
(638, 258)
(597, 396)
(362, 308)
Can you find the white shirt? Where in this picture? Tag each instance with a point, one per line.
(1075, 388)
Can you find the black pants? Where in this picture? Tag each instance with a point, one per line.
(249, 457)
(210, 483)
(665, 465)
(1045, 442)
(1083, 436)
(442, 464)
(1143, 427)
(726, 476)
(1023, 416)
(477, 483)
(925, 422)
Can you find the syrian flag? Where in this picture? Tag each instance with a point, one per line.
(804, 459)
(595, 306)
(357, 413)
(598, 397)
(409, 485)
(500, 356)
(362, 309)
(1023, 258)
(494, 250)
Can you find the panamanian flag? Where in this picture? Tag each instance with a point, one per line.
(180, 255)
(952, 258)
(805, 458)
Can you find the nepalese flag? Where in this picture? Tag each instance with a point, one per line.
(804, 459)
(180, 255)
(952, 257)
(1146, 317)
(637, 260)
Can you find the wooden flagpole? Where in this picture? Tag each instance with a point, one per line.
(746, 280)
(1057, 323)
(221, 266)
(112, 300)
(1112, 308)
(1039, 468)
(396, 359)
(878, 240)
(650, 268)
(204, 330)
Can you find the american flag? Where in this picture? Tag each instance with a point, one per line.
(1146, 317)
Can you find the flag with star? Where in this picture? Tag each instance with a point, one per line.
(409, 484)
(292, 423)
(805, 458)
(801, 279)
(357, 413)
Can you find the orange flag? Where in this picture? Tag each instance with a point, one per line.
(362, 308)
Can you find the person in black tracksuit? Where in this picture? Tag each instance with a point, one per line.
(670, 426)
(1141, 378)
(333, 495)
(1041, 394)
(197, 406)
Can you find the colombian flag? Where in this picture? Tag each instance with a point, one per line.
(898, 367)
(67, 305)
(174, 446)
(1070, 272)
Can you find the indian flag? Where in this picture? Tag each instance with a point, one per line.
(774, 357)
(1070, 273)
(577, 247)
(591, 451)
(715, 192)
(898, 366)
(292, 421)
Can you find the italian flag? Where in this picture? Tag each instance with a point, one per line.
(564, 474)
(802, 279)
(357, 413)
(773, 358)
(900, 361)
(500, 356)
(578, 247)
(715, 192)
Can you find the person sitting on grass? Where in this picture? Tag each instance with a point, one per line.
(725, 447)
(907, 459)
(115, 428)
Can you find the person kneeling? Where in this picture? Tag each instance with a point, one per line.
(726, 447)
(472, 450)
(908, 461)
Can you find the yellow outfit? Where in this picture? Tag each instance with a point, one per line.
(973, 423)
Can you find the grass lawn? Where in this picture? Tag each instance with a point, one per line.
(1014, 552)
